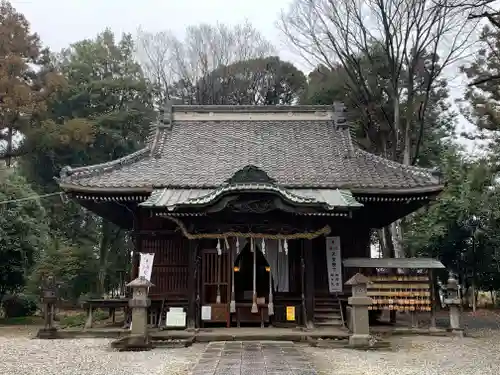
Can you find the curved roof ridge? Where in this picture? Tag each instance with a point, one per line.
(91, 170)
(154, 143)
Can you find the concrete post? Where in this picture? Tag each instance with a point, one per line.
(359, 303)
(453, 302)
(139, 338)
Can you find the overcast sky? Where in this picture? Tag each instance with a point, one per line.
(62, 22)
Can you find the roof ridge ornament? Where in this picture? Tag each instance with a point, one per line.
(340, 111)
(250, 174)
(163, 122)
(165, 115)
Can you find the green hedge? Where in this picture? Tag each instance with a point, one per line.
(19, 305)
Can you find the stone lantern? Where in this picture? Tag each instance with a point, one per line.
(359, 303)
(138, 338)
(453, 301)
(50, 296)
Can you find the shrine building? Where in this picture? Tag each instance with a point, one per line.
(250, 211)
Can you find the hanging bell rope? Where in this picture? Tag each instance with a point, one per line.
(219, 266)
(270, 305)
(255, 309)
(295, 236)
(232, 304)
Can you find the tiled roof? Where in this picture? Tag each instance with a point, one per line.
(415, 263)
(295, 153)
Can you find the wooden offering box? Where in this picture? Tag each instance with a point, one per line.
(401, 293)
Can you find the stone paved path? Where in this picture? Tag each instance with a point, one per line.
(253, 358)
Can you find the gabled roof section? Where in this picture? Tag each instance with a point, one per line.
(299, 147)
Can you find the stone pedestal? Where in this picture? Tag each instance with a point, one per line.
(453, 303)
(139, 338)
(359, 319)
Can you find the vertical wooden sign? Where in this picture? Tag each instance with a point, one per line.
(334, 264)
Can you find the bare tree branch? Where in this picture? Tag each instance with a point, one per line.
(412, 38)
(178, 65)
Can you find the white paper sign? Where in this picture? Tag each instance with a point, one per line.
(206, 312)
(176, 318)
(334, 264)
(146, 265)
(176, 309)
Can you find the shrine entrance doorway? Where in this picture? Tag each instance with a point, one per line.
(244, 271)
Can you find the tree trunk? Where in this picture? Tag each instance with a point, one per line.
(10, 136)
(103, 255)
(397, 239)
(386, 243)
(381, 242)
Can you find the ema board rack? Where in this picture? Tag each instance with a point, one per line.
(401, 293)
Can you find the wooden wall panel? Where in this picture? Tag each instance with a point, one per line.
(355, 243)
(320, 267)
(170, 267)
(295, 267)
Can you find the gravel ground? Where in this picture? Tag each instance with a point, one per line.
(416, 355)
(24, 356)
(411, 355)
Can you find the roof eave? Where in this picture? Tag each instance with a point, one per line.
(69, 187)
(433, 189)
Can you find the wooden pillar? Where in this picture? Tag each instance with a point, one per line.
(135, 264)
(137, 247)
(309, 282)
(433, 298)
(192, 282)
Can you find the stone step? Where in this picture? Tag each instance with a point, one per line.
(327, 309)
(331, 322)
(326, 301)
(327, 316)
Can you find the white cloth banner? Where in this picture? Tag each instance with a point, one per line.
(279, 266)
(334, 264)
(146, 265)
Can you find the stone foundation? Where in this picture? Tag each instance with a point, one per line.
(133, 343)
(47, 333)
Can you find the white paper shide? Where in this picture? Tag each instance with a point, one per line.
(334, 264)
